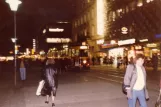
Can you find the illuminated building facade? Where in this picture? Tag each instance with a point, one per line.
(90, 23)
(138, 20)
(113, 24)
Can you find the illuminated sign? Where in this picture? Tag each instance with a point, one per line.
(143, 40)
(138, 47)
(101, 41)
(125, 42)
(158, 36)
(58, 40)
(151, 45)
(55, 30)
(124, 30)
(83, 47)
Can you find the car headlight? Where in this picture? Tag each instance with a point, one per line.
(84, 61)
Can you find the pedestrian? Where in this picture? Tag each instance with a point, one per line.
(155, 62)
(118, 62)
(51, 80)
(135, 82)
(93, 60)
(22, 70)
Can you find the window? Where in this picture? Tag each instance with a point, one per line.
(92, 31)
(75, 23)
(140, 3)
(148, 1)
(85, 20)
(133, 5)
(113, 16)
(127, 9)
(81, 20)
(78, 22)
(88, 15)
(92, 13)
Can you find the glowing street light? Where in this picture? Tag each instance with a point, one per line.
(13, 40)
(14, 6)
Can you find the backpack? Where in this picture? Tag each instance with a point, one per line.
(125, 86)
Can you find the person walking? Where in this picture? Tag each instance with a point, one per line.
(51, 80)
(135, 82)
(22, 70)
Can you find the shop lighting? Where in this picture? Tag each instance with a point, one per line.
(113, 42)
(101, 41)
(83, 47)
(152, 45)
(125, 42)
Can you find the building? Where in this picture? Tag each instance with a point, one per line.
(119, 28)
(55, 37)
(88, 25)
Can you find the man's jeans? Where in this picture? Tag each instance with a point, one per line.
(23, 73)
(140, 95)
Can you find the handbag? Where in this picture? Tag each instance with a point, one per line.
(124, 88)
(158, 102)
(40, 87)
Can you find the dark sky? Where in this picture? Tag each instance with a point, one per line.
(32, 15)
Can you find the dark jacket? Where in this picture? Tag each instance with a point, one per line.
(49, 75)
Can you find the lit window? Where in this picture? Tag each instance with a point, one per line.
(113, 16)
(148, 1)
(140, 3)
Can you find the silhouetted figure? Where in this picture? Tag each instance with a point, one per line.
(155, 62)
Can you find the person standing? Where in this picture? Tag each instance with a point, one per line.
(22, 70)
(135, 80)
(93, 60)
(155, 62)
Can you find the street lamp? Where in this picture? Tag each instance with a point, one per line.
(14, 6)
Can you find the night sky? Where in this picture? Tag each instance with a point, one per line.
(32, 15)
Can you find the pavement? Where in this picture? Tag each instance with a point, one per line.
(75, 90)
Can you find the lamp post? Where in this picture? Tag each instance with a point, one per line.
(14, 6)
